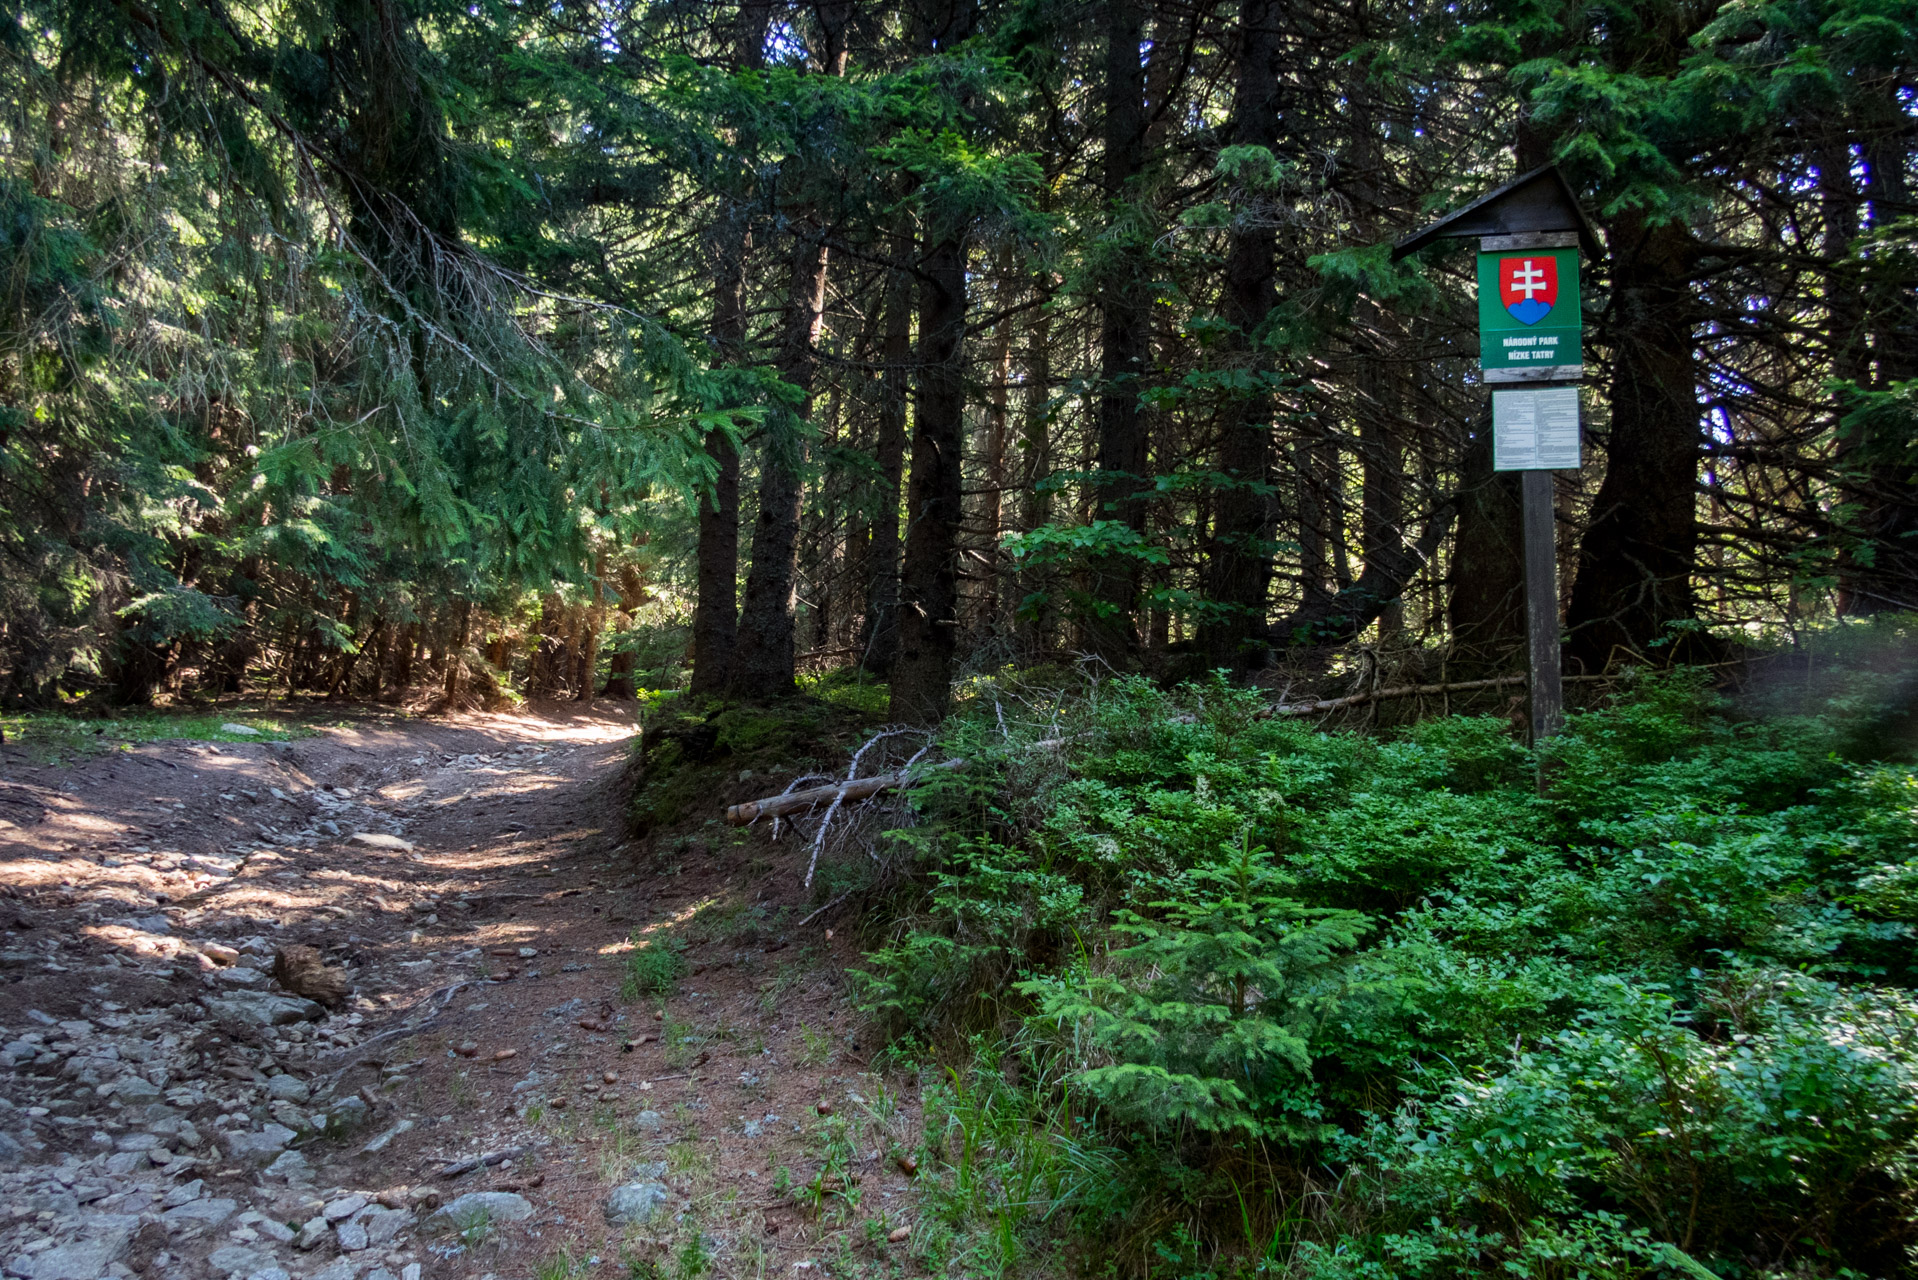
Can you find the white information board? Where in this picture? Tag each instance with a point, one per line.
(1535, 430)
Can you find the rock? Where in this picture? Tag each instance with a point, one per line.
(899, 1235)
(259, 1148)
(291, 1167)
(209, 1213)
(11, 1152)
(271, 1273)
(237, 1257)
(302, 971)
(287, 1088)
(185, 1193)
(648, 1122)
(152, 924)
(84, 1260)
(220, 953)
(382, 1225)
(315, 1230)
(352, 1237)
(136, 1091)
(378, 840)
(385, 1139)
(481, 1206)
(379, 1273)
(344, 1207)
(411, 1271)
(635, 1203)
(262, 1008)
(344, 1269)
(348, 1113)
(240, 730)
(293, 1117)
(135, 1142)
(274, 1230)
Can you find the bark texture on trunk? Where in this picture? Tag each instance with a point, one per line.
(1112, 632)
(929, 576)
(716, 599)
(1636, 562)
(879, 634)
(1239, 554)
(762, 665)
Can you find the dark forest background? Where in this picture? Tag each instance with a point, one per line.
(363, 348)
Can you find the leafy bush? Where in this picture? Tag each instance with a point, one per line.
(1344, 1006)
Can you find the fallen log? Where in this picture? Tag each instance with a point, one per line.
(858, 789)
(1382, 695)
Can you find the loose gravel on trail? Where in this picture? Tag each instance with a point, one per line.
(483, 1101)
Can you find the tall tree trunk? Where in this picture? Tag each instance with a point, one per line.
(929, 576)
(1238, 568)
(762, 665)
(993, 470)
(1635, 565)
(1112, 630)
(716, 599)
(1486, 605)
(1035, 502)
(879, 636)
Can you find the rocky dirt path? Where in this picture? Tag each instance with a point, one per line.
(495, 1096)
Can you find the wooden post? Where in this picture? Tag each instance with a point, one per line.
(1541, 605)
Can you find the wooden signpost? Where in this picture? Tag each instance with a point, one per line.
(1531, 352)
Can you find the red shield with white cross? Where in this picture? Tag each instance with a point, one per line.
(1528, 287)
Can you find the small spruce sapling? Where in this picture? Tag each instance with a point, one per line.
(1205, 1019)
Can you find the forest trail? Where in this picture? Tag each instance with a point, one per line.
(179, 1114)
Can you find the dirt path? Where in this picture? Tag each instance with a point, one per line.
(486, 1101)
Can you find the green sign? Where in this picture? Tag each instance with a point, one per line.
(1528, 313)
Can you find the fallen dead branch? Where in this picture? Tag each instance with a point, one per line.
(1383, 695)
(858, 789)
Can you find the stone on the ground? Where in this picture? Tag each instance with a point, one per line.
(185, 1193)
(347, 1113)
(288, 1088)
(262, 1008)
(84, 1260)
(648, 1121)
(380, 840)
(381, 1143)
(382, 1225)
(352, 1236)
(259, 1148)
(271, 1273)
(136, 1091)
(245, 731)
(237, 1257)
(344, 1269)
(11, 1152)
(210, 1213)
(481, 1206)
(291, 1167)
(635, 1203)
(344, 1207)
(274, 1230)
(315, 1230)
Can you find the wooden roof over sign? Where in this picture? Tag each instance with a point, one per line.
(1541, 200)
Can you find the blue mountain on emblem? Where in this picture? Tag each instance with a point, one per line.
(1530, 310)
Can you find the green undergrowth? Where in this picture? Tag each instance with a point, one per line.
(1204, 994)
(52, 738)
